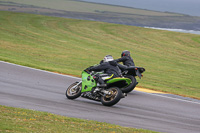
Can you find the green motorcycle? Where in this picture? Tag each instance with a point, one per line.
(88, 88)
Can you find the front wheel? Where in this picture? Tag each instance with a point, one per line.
(112, 96)
(74, 90)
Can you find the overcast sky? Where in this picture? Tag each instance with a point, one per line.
(189, 7)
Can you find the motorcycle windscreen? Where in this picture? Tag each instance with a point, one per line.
(88, 82)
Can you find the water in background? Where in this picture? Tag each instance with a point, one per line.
(176, 30)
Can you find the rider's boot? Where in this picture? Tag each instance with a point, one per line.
(101, 85)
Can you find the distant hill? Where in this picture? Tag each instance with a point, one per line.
(188, 7)
(101, 12)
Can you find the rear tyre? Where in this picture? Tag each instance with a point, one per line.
(131, 86)
(113, 97)
(73, 92)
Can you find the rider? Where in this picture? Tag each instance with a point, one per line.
(126, 59)
(110, 70)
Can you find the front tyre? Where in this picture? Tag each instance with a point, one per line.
(112, 97)
(73, 91)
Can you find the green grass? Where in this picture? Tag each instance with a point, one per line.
(68, 46)
(22, 120)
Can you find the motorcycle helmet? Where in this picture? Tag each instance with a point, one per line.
(125, 53)
(108, 58)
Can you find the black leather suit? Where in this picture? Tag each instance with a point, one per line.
(127, 60)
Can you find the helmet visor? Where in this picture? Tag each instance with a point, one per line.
(108, 58)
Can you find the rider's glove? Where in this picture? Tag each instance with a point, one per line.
(90, 68)
(87, 71)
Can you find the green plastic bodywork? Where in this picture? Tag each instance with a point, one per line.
(88, 81)
(87, 85)
(128, 81)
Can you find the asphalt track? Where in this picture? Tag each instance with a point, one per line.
(45, 91)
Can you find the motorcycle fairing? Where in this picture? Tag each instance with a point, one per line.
(88, 82)
(127, 80)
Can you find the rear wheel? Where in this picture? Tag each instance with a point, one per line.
(131, 86)
(114, 95)
(73, 91)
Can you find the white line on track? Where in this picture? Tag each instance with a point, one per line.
(40, 70)
(164, 96)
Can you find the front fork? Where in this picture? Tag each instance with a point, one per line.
(77, 85)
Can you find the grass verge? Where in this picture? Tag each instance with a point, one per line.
(23, 120)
